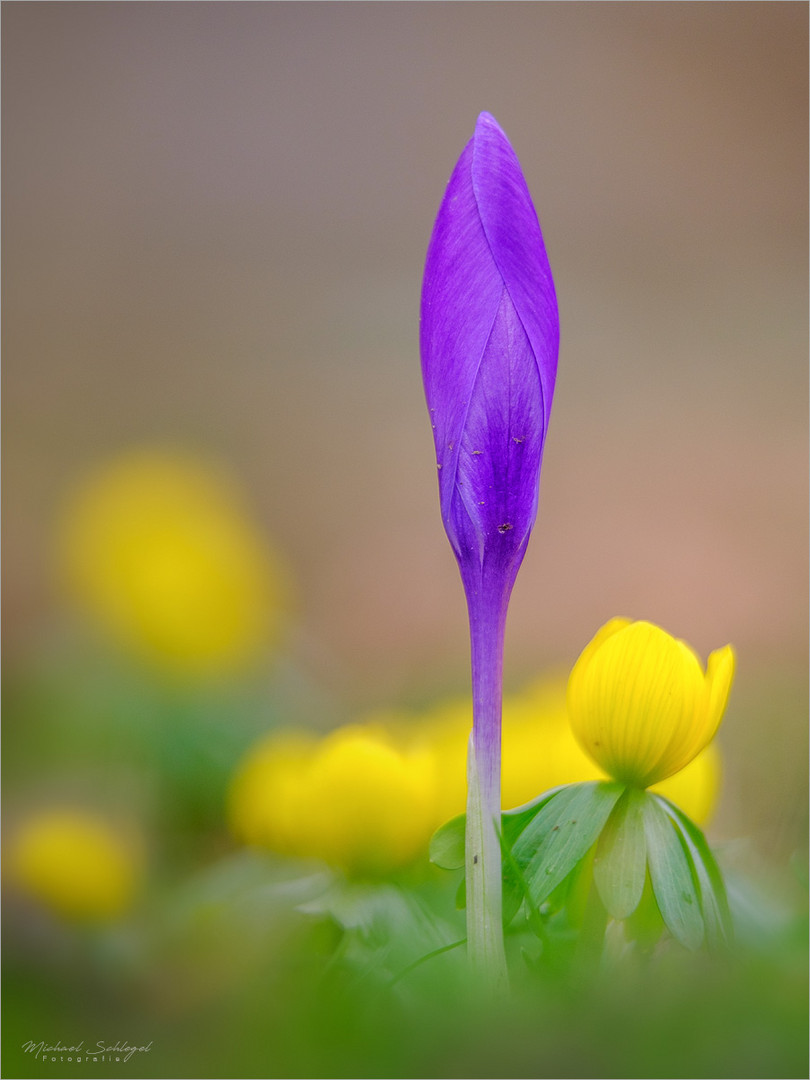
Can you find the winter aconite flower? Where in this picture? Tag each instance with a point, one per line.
(641, 704)
(357, 798)
(266, 791)
(489, 337)
(643, 708)
(367, 797)
(158, 550)
(75, 864)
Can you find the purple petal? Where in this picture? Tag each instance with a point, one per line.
(489, 340)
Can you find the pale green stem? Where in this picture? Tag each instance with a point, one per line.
(483, 851)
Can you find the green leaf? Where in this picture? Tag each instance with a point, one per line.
(560, 834)
(574, 892)
(513, 896)
(516, 888)
(447, 844)
(620, 863)
(515, 821)
(672, 878)
(645, 926)
(712, 889)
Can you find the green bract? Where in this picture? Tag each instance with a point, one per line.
(632, 836)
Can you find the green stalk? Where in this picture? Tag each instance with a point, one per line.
(482, 844)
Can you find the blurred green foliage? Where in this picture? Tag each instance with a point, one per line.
(235, 962)
(235, 983)
(239, 963)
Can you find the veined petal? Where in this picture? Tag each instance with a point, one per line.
(708, 713)
(494, 503)
(516, 242)
(639, 702)
(611, 627)
(687, 732)
(489, 338)
(716, 688)
(719, 677)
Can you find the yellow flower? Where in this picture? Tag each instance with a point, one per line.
(368, 796)
(370, 803)
(537, 749)
(75, 864)
(157, 549)
(640, 703)
(539, 752)
(266, 790)
(445, 732)
(354, 798)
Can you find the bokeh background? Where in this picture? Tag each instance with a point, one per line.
(215, 217)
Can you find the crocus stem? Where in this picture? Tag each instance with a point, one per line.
(483, 851)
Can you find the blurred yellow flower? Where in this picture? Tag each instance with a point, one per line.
(444, 732)
(640, 703)
(539, 752)
(75, 864)
(537, 749)
(266, 791)
(369, 803)
(368, 796)
(354, 798)
(157, 548)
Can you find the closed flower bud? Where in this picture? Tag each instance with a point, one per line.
(489, 340)
(640, 703)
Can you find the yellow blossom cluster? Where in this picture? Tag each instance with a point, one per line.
(357, 798)
(368, 796)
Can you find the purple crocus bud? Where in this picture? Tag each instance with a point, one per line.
(489, 340)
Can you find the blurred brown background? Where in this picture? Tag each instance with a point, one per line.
(215, 218)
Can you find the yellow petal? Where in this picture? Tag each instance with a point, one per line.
(639, 703)
(611, 627)
(707, 717)
(719, 677)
